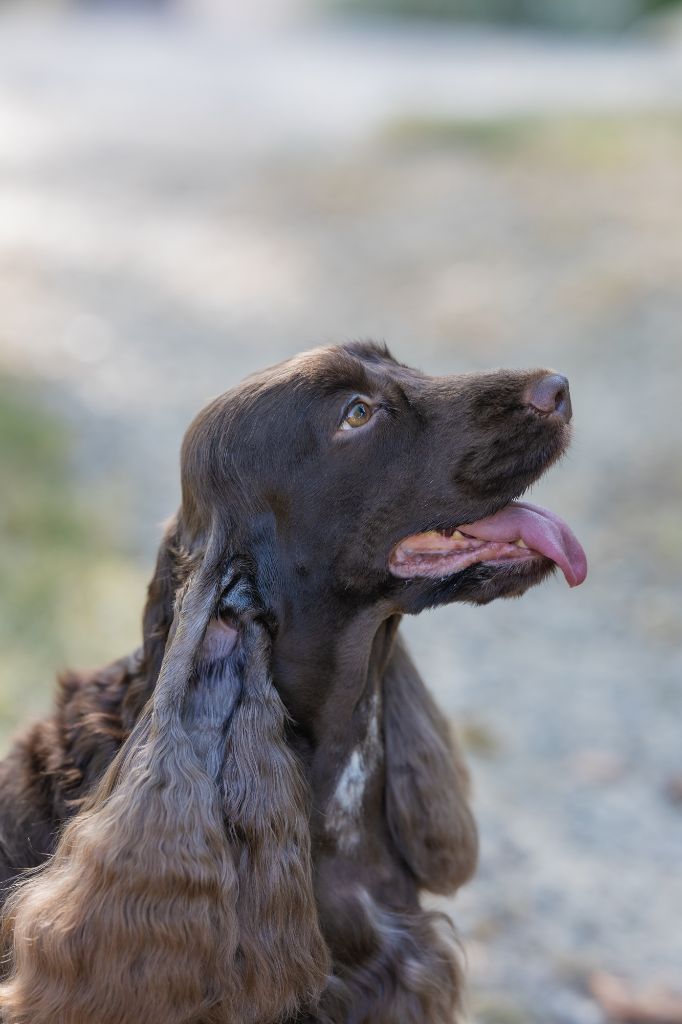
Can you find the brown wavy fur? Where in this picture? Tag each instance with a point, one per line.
(183, 891)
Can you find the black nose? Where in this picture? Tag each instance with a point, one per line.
(551, 394)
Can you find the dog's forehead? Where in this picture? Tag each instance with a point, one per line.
(360, 366)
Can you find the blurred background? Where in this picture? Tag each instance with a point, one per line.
(190, 191)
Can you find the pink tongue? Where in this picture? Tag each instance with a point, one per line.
(539, 529)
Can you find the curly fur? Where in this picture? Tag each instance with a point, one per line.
(188, 874)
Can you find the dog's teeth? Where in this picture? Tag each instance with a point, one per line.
(520, 543)
(458, 535)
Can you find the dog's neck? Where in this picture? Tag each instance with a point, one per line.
(334, 694)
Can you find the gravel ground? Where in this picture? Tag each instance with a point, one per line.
(178, 208)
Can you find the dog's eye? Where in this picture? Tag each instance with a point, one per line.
(358, 413)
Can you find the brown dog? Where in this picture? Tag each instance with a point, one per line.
(258, 795)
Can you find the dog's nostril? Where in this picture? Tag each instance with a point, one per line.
(551, 394)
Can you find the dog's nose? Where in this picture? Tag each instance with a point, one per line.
(551, 394)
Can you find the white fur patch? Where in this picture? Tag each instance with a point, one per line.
(345, 807)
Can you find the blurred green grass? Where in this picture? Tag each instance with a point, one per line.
(68, 591)
(597, 141)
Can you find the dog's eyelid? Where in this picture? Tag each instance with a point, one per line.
(360, 397)
(374, 399)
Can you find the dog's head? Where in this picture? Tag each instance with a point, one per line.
(343, 476)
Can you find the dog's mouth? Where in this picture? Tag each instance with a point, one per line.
(519, 532)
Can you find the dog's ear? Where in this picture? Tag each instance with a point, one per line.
(283, 960)
(182, 893)
(426, 781)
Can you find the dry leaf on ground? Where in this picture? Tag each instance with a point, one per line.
(622, 1003)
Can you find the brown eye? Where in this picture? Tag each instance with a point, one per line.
(358, 414)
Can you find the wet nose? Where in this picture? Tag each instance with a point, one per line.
(551, 394)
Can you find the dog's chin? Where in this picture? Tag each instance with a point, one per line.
(478, 584)
(487, 581)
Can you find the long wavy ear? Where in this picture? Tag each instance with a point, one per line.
(182, 894)
(427, 782)
(283, 960)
